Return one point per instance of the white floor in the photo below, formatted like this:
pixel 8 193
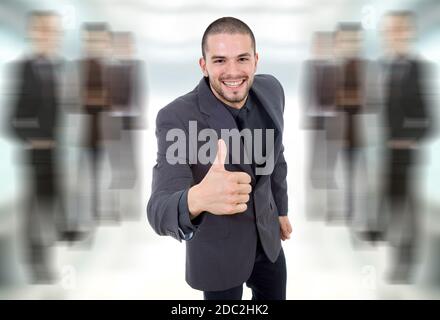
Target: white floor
pixel 130 262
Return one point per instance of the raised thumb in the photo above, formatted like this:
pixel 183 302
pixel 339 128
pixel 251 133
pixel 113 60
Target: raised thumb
pixel 220 158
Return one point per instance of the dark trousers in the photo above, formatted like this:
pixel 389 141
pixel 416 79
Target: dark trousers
pixel 122 158
pixel 267 281
pixel 45 213
pixel 400 221
pixel 94 153
pixel 350 153
pixel 124 172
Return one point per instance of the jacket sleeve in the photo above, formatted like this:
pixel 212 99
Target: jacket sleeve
pixel 279 175
pixel 279 184
pixel 172 177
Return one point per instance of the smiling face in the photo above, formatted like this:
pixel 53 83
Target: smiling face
pixel 230 63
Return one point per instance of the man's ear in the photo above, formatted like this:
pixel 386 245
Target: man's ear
pixel 256 61
pixel 202 63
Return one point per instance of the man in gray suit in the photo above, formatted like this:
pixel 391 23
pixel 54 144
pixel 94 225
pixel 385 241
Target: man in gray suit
pixel 227 198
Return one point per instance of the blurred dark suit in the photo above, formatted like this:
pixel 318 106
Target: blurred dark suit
pixel 320 92
pixel 35 117
pixel 319 114
pixel 127 92
pixel 407 114
pixel 126 117
pixel 406 118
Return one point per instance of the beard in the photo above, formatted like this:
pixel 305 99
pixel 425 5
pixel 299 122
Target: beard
pixel 232 96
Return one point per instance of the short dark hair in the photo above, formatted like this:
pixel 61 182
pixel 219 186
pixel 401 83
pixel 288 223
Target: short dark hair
pixel 228 25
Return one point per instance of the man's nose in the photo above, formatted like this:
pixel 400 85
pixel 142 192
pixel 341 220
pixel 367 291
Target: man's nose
pixel 232 69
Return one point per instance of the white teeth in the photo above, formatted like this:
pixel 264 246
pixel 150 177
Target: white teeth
pixel 233 83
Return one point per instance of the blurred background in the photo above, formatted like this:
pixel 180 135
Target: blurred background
pixel 107 249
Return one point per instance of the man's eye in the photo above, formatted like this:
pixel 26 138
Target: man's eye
pixel 218 61
pixel 244 59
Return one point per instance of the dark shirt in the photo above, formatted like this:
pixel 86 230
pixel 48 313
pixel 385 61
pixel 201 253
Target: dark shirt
pixel 351 87
pixel 251 116
pixel 95 87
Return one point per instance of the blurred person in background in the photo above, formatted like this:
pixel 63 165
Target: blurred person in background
pixel 95 101
pixel 346 133
pixel 319 104
pixel 127 92
pixel 35 122
pixel 407 123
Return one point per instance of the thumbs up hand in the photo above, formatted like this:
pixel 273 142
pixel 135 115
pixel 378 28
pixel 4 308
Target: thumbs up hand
pixel 220 192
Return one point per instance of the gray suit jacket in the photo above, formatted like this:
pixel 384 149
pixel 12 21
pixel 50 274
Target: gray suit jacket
pixel 221 253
